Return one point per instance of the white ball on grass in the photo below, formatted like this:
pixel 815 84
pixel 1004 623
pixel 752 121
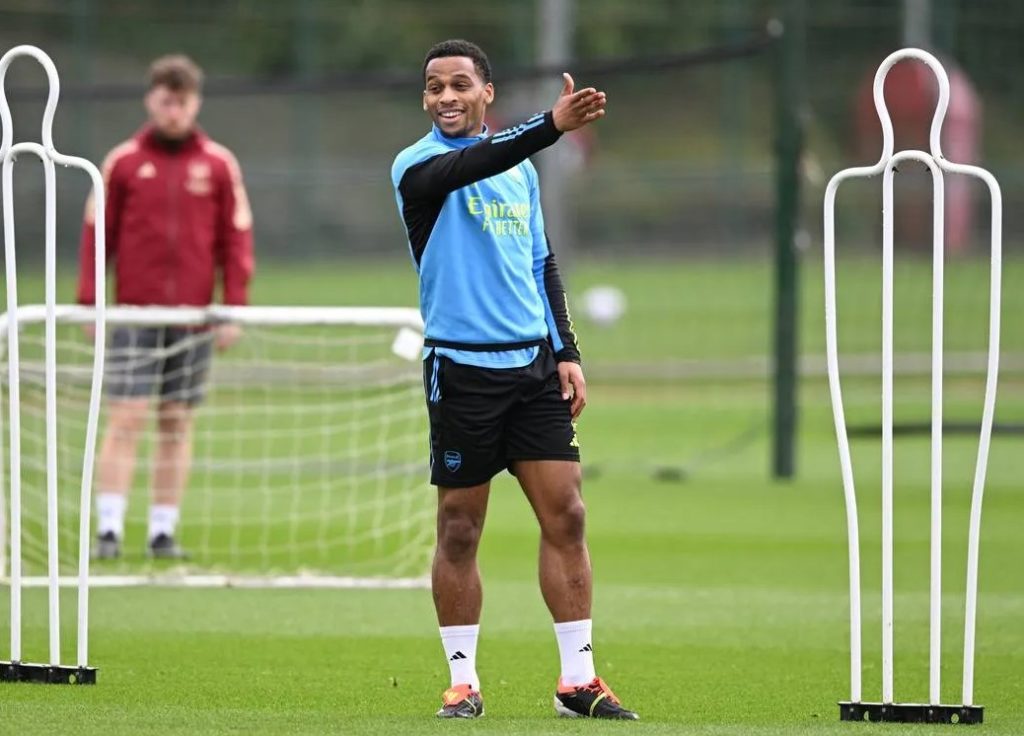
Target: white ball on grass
pixel 604 305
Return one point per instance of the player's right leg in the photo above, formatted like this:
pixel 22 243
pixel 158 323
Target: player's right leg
pixel 131 376
pixel 458 595
pixel 466 408
pixel 126 419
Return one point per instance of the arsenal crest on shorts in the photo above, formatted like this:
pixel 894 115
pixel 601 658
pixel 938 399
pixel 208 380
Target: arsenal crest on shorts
pixel 452 460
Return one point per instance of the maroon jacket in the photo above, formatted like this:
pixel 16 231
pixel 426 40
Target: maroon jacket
pixel 177 215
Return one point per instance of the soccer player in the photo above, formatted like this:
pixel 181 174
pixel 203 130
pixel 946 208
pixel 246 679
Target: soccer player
pixel 177 217
pixel 501 370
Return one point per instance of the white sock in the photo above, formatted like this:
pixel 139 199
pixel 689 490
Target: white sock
pixel 459 644
pixel 575 651
pixel 110 513
pixel 162 520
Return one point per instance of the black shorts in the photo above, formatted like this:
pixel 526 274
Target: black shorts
pixel 484 419
pixel 172 361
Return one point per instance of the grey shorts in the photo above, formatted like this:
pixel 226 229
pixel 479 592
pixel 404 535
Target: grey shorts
pixel 171 361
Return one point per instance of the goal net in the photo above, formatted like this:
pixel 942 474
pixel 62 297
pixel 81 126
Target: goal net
pixel 310 451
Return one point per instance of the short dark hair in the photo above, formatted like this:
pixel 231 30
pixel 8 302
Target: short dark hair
pixel 177 72
pixel 458 47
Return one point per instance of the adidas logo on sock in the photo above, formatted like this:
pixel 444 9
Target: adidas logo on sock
pixel 460 655
pixel 587 648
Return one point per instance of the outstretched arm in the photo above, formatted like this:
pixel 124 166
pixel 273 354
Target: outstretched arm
pixel 436 177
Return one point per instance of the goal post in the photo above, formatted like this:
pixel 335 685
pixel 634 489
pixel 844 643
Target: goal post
pixel 310 459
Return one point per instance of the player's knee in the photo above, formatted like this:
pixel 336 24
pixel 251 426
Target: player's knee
pixel 173 434
pixel 126 430
pixel 575 520
pixel 127 424
pixel 568 526
pixel 174 425
pixel 458 536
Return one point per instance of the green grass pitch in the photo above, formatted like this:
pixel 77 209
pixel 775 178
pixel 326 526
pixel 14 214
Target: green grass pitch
pixel 720 597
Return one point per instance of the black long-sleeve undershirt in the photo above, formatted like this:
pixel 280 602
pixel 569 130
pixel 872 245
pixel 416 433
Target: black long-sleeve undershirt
pixel 559 303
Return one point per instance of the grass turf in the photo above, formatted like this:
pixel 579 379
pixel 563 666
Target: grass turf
pixel 720 600
pixel 721 607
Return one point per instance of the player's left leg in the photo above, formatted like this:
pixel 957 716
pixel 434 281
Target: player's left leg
pixel 543 453
pixel 172 462
pixel 553 488
pixel 181 391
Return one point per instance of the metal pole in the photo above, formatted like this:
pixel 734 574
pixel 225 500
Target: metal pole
pixel 917 23
pixel 788 148
pixel 554 46
pixel 83 34
pixel 306 169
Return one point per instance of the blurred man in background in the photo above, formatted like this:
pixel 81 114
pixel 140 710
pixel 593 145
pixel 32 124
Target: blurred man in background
pixel 177 218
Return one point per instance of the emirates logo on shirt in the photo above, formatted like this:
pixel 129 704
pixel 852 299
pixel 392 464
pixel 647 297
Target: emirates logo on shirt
pixel 500 217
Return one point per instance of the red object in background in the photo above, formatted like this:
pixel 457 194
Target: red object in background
pixel 911 93
pixel 177 217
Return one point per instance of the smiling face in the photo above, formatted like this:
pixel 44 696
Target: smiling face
pixel 456 96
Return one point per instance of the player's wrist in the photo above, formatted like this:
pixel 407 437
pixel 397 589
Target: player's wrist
pixel 549 120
